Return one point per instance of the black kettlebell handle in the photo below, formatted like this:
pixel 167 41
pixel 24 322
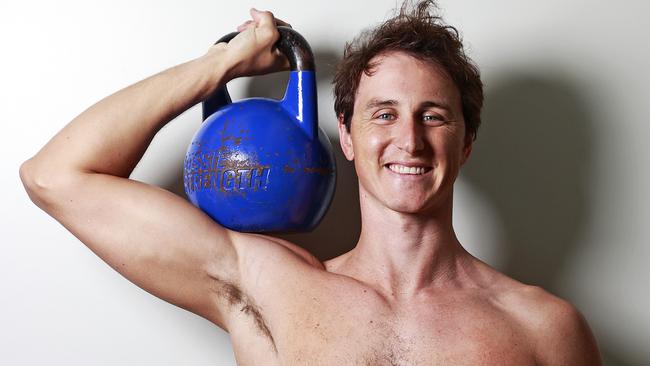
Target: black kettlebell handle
pixel 291 44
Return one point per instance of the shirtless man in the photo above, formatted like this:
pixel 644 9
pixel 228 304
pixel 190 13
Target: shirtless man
pixel 407 294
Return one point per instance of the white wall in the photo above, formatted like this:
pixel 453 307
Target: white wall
pixel 555 194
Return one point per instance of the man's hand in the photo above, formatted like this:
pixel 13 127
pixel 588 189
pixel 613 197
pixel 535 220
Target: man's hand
pixel 252 52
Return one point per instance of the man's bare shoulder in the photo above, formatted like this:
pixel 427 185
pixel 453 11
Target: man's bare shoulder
pixel 556 330
pixel 258 246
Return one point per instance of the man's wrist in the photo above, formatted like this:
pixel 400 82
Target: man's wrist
pixel 217 68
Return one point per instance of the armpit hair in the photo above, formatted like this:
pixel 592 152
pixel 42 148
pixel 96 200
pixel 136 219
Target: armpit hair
pixel 235 297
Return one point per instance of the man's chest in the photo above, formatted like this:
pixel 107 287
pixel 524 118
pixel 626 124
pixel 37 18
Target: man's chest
pixel 363 330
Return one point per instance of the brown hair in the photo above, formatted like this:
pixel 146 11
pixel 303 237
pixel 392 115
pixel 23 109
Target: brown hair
pixel 423 35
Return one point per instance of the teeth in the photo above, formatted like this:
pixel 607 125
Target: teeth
pixel 401 169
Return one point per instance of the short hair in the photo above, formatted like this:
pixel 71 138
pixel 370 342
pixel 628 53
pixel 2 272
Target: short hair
pixel 419 32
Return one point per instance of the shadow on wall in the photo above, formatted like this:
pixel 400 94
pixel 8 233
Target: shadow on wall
pixel 532 159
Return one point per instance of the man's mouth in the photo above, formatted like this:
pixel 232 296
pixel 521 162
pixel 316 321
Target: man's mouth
pixel 409 170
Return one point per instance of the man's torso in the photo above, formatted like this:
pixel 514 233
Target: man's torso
pixel 309 316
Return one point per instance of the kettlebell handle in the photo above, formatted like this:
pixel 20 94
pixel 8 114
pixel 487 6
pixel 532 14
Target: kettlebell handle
pixel 291 44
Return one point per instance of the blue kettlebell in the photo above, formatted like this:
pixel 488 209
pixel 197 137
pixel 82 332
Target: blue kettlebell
pixel 264 165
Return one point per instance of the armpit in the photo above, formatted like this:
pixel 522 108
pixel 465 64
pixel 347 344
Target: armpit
pixel 237 300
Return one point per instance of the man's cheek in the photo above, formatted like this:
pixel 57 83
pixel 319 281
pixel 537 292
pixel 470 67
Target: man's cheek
pixel 374 142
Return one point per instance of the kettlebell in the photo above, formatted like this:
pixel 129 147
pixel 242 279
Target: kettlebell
pixel 260 164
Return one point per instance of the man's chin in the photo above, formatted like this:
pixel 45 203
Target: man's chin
pixel 412 207
pixel 430 203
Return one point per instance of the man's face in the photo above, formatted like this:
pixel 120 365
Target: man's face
pixel 407 134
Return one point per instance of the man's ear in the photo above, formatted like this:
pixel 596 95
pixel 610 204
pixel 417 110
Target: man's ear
pixel 467 149
pixel 345 139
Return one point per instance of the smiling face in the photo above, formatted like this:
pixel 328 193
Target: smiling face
pixel 407 134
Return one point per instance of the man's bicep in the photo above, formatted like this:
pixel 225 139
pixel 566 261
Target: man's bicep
pixel 154 238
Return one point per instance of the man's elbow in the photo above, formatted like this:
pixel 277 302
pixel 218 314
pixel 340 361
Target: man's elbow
pixel 41 184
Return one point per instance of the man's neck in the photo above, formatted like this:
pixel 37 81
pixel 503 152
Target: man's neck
pixel 403 254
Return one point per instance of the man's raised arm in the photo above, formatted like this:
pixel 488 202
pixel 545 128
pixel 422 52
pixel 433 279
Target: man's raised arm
pixel 154 238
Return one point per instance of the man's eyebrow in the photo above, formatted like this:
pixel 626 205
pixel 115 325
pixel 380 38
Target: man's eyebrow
pixel 374 103
pixel 431 103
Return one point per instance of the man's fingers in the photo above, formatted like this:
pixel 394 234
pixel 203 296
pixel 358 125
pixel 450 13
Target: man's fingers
pixel 262 18
pixel 244 25
pixel 253 49
pixel 266 17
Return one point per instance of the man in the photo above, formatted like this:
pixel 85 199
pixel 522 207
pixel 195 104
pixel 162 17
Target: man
pixel 407 294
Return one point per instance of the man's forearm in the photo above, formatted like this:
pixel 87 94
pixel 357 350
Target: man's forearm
pixel 111 136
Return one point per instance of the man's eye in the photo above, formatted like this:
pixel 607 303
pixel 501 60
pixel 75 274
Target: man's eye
pixel 386 116
pixel 433 118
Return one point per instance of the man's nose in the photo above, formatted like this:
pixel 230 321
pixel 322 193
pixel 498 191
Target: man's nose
pixel 409 135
